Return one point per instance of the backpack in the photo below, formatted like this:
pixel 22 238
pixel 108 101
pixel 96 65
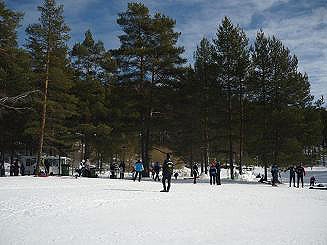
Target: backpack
pixel 170 167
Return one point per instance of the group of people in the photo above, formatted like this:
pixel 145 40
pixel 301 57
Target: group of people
pixel 14 168
pixel 298 172
pixel 116 170
pixel 84 168
pixel 167 172
pixel 214 172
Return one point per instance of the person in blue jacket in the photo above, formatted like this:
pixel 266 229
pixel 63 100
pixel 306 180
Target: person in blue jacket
pixel 138 169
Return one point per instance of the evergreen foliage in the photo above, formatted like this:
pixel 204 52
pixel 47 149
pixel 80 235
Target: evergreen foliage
pixel 238 104
pixel 52 74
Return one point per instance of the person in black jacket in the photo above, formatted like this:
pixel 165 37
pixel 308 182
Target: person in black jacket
pixel 274 175
pixel 312 181
pixel 300 172
pixel 195 171
pixel 167 172
pixel 157 171
pixel 292 175
pixel 16 168
pixel 2 168
pixel 122 169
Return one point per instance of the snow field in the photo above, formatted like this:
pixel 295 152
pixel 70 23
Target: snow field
pixel 64 210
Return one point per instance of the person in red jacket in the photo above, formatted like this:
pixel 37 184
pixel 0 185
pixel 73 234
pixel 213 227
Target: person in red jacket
pixel 213 173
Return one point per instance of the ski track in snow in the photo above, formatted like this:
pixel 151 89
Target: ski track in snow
pixel 58 210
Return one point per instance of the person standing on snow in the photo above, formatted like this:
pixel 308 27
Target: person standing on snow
pixel 300 172
pixel 292 175
pixel 81 168
pixel 157 170
pixel 138 169
pixel 274 174
pixel 122 169
pixel 16 168
pixel 167 172
pixel 213 173
pixel 22 169
pixel 153 172
pixel 195 171
pixel 2 168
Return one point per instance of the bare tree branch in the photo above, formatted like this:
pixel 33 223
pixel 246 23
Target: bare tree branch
pixel 8 103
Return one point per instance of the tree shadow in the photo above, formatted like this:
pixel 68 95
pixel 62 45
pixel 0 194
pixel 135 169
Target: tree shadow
pixel 128 190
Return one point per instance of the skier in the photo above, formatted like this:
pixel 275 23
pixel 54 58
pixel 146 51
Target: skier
pixel 176 175
pixel 157 170
pixel 300 172
pixel 274 174
pixel 213 173
pixel 167 172
pixel 22 169
pixel 195 171
pixel 112 170
pixel 81 168
pixel 292 175
pixel 153 173
pixel 312 181
pixel 11 169
pixel 16 168
pixel 2 169
pixel 47 166
pixel 122 169
pixel 138 169
pixel 218 167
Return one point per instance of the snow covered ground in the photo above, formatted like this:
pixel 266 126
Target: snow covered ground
pixel 64 210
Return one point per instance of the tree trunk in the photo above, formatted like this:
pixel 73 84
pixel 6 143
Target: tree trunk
pixel 146 152
pixel 241 128
pixel 230 132
pixel 44 108
pixel 206 120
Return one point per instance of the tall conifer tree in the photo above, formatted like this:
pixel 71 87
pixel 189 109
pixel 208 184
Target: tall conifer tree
pixel 47 43
pixel 148 59
pixel 232 58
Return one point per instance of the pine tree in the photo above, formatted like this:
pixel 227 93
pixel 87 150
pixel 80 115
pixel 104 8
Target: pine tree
pixel 15 87
pixel 47 43
pixel 149 63
pixel 205 75
pixel 231 54
pixel 281 94
pixel 91 62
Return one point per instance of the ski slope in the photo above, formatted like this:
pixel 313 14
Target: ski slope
pixel 64 210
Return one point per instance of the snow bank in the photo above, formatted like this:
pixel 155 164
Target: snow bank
pixel 64 210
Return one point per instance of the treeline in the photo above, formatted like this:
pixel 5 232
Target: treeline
pixel 239 103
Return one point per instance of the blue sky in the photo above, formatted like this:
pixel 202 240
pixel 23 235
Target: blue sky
pixel 300 24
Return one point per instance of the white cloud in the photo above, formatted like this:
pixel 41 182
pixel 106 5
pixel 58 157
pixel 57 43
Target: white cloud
pixel 303 32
